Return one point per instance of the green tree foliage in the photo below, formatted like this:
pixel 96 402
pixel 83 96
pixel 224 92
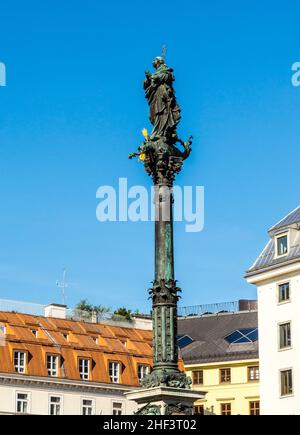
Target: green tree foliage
pixel 85 307
pixel 123 312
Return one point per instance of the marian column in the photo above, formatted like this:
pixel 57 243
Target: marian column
pixel 166 390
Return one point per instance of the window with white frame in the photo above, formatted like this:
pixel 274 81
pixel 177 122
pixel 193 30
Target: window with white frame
pixel 87 407
pixel 117 408
pixel 285 336
pixel 284 292
pixel 2 329
pixel 84 368
pixel 55 407
pixel 52 365
pixel 143 370
pixel 114 371
pixel 20 361
pixel 286 381
pixel 253 373
pixel 22 403
pixel 282 245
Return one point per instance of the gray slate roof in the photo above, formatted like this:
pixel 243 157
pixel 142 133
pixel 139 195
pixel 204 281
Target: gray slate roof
pixel 292 218
pixel 266 258
pixel 208 333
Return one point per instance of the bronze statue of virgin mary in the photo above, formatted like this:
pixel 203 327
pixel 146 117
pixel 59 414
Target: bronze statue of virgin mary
pixel 164 110
pixel 159 150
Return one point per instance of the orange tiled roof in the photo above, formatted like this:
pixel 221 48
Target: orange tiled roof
pixel 128 346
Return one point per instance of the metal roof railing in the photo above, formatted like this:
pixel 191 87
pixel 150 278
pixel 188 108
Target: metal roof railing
pixel 200 310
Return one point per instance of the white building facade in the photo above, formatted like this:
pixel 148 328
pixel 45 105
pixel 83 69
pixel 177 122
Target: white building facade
pixel 276 273
pixel 36 396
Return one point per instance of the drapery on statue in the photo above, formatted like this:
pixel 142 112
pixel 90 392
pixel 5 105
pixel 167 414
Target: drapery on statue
pixel 164 116
pixel 164 110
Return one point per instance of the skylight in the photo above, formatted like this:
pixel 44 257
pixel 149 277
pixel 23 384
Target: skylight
pixel 184 340
pixel 245 335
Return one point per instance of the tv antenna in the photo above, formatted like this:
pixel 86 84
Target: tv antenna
pixel 63 285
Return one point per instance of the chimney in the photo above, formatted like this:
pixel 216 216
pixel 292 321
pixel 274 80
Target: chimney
pixel 56 310
pixel 247 305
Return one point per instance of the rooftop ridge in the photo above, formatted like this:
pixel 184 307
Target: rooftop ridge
pixel 36 310
pixel 106 322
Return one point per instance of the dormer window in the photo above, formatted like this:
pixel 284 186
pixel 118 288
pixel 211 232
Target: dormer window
pixel 282 245
pixel 143 371
pixel 114 371
pixel 52 365
pixel 84 368
pixel 20 361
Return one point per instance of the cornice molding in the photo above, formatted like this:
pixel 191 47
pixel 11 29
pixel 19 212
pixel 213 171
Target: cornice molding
pixel 60 384
pixel 270 272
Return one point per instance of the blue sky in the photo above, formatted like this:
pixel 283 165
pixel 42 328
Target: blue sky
pixel 73 110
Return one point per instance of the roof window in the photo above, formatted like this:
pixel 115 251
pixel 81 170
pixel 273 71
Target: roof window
pixel 245 335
